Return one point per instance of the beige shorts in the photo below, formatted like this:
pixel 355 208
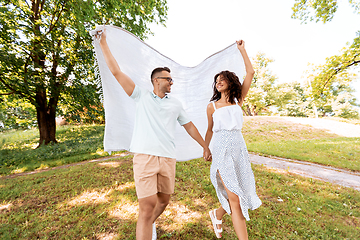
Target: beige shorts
pixel 153 174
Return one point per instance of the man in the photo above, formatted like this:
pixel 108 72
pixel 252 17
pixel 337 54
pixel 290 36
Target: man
pixel 153 141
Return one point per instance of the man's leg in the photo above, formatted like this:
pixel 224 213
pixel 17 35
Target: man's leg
pixel 145 168
pixel 150 208
pixel 166 184
pixel 162 201
pixel 146 212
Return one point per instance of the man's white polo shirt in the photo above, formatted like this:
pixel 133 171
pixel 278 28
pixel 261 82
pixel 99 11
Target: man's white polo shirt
pixel 155 123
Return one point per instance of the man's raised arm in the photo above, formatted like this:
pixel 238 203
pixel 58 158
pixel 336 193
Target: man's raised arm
pixel 125 81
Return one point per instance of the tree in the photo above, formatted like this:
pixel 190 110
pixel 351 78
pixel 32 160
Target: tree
pixel 335 66
pixel 333 99
pixel 262 86
pixel 46 52
pixel 319 10
pixel 263 92
pixel 298 104
pixel 16 113
pixel 344 106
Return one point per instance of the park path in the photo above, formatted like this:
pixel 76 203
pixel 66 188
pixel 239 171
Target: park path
pixel 306 169
pixel 311 170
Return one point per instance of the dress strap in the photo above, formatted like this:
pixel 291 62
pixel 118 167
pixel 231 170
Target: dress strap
pixel 214 105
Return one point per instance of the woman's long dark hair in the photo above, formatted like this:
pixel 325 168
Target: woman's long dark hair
pixel 234 87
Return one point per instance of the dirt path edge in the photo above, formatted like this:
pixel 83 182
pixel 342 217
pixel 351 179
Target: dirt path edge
pixel 312 170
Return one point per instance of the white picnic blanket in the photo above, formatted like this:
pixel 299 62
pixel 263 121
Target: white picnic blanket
pixel 193 86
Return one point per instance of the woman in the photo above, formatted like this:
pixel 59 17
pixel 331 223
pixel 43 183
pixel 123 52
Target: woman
pixel 231 172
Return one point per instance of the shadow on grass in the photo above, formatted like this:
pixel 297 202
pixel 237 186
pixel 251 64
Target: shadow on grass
pixel 75 144
pixel 98 201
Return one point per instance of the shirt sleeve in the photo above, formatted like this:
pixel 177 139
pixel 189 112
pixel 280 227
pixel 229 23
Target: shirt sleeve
pixel 136 94
pixel 183 117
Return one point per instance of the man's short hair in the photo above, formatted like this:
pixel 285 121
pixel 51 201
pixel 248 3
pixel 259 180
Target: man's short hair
pixel 157 70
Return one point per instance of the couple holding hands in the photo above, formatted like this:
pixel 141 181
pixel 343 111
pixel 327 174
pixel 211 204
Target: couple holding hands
pixel 154 149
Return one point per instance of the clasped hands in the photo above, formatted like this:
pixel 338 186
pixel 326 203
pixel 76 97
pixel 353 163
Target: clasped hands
pixel 207 154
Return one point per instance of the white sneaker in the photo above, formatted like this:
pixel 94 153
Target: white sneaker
pixel 154 236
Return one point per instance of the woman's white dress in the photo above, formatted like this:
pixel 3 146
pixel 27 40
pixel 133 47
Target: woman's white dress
pixel 231 160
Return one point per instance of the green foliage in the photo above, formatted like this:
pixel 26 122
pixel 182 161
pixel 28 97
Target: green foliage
pixel 336 98
pixel 262 90
pixel 46 52
pixel 264 93
pixel 329 94
pixel 77 112
pixel 16 113
pixel 337 69
pixel 319 10
pixel 297 104
pixel 344 106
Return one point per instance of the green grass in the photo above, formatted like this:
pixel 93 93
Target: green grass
pixel 276 137
pixel 18 151
pixel 97 200
pixel 264 135
pixel 338 152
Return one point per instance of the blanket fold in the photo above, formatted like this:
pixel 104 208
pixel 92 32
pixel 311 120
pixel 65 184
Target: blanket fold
pixel 193 86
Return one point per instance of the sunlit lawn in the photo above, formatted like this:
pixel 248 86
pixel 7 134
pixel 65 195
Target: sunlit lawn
pixel 264 135
pixel 76 143
pixel 97 201
pixel 276 137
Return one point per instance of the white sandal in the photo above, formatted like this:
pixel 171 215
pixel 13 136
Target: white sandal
pixel 215 221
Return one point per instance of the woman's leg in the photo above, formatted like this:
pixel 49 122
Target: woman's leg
pixel 237 217
pixel 220 212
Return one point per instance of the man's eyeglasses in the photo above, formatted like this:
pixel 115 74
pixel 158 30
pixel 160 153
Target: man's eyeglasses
pixel 169 79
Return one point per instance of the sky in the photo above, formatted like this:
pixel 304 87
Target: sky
pixel 195 29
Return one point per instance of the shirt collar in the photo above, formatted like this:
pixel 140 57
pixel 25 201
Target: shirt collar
pixel 156 96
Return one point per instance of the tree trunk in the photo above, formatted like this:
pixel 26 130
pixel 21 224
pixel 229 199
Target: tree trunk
pixel 254 112
pixel 248 111
pixel 46 119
